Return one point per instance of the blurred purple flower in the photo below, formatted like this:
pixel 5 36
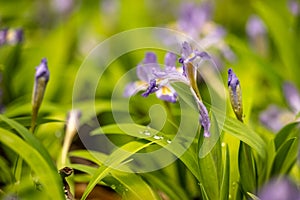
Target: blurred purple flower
pixel 292 96
pixel 193 17
pixel 255 26
pixel 3 34
pixel 62 6
pixel 153 79
pixel 11 36
pixel 293 6
pixel 196 21
pixel 148 81
pixel 256 31
pixel 280 189
pixel 276 118
pixel 235 94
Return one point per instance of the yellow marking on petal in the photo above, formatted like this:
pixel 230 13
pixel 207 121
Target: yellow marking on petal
pixel 192 55
pixel 140 83
pixel 166 91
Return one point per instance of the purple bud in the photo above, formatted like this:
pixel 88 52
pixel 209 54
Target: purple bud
pixel 40 83
pixel 42 70
pixel 170 61
pixel 235 94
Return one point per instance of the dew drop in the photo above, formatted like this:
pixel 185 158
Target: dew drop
pixel 169 141
pixel 147 132
pixel 157 137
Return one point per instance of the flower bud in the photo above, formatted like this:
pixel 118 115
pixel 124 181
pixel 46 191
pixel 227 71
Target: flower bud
pixel 235 94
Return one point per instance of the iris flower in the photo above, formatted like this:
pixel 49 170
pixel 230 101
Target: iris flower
pixel 157 80
pixel 149 83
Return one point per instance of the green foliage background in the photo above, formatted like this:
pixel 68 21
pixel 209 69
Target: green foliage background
pixel 66 38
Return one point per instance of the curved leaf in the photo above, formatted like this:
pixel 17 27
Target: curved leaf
pixel 30 139
pixel 113 161
pixel 285 157
pixel 243 133
pixel 287 132
pixel 48 176
pixel 189 157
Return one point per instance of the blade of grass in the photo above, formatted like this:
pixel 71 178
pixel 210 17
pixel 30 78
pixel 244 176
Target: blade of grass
pixel 48 176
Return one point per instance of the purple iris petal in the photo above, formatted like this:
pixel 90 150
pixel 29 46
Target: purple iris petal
pixel 153 87
pixel 42 71
pixel 147 67
pixel 167 93
pixel 186 50
pixel 204 117
pixel 292 96
pixel 202 54
pixel 134 87
pixel 150 57
pixel 143 72
pixel 170 61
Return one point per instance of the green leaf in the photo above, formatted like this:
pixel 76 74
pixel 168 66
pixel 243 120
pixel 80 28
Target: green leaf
pixel 242 132
pixel 210 166
pixel 203 192
pixel 247 169
pixel 285 157
pixel 131 182
pixel 189 157
pixel 30 139
pixel 252 196
pixel 114 161
pixel 278 21
pixel 224 193
pixel 287 132
pixel 165 184
pixel 209 173
pixel 48 176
